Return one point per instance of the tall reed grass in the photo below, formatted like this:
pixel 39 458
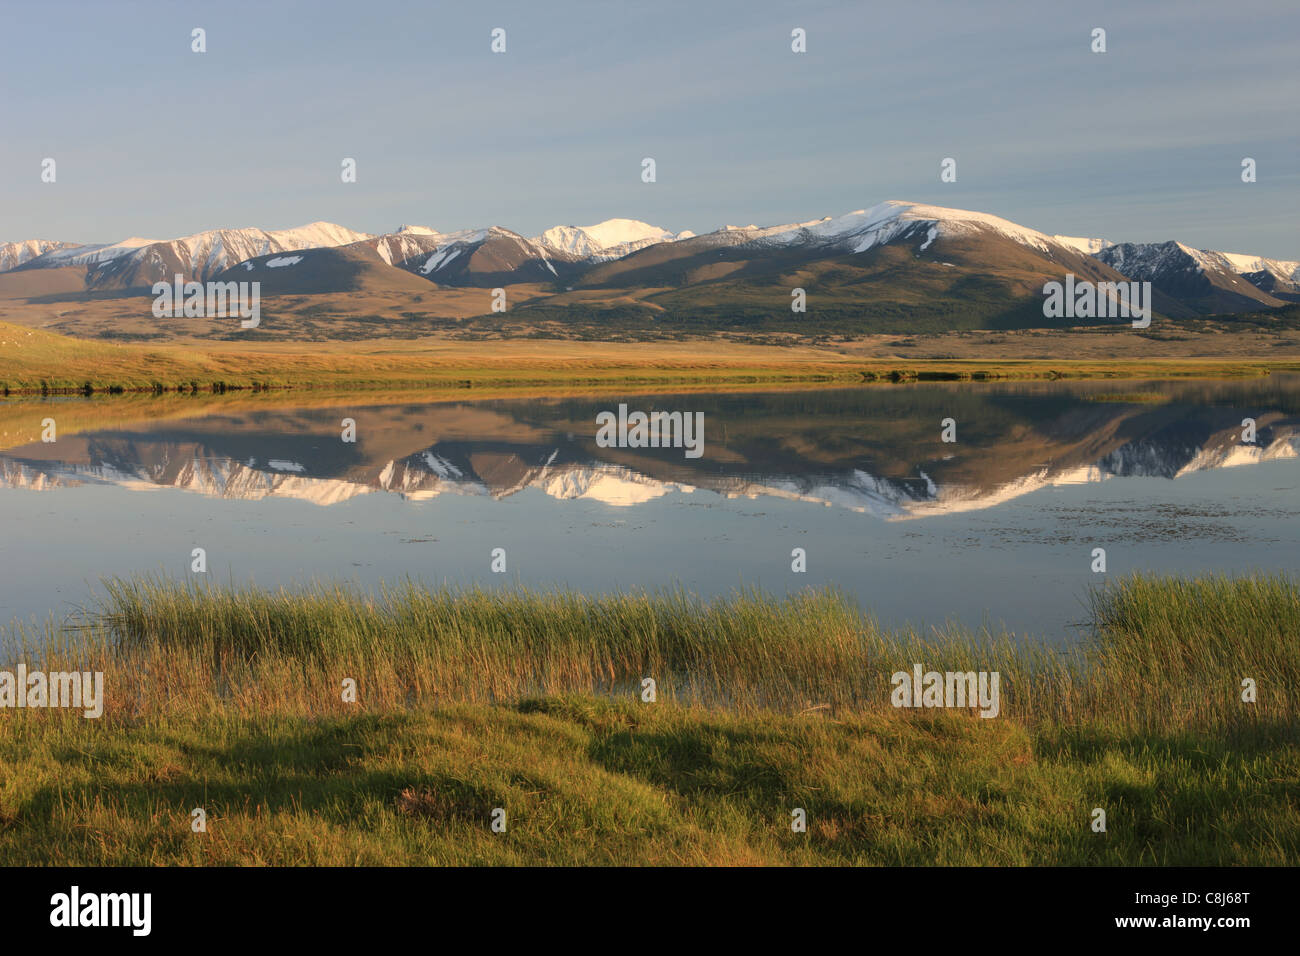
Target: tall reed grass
pixel 1163 653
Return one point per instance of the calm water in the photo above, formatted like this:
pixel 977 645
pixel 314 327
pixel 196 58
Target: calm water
pixel 997 527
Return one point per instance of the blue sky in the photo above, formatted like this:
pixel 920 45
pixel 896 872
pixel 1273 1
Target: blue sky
pixel 1142 143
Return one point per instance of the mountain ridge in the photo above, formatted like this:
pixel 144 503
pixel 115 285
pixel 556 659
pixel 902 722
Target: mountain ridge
pixel 896 258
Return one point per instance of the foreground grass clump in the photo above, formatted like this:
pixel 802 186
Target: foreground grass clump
pixel 588 780
pixel 469 701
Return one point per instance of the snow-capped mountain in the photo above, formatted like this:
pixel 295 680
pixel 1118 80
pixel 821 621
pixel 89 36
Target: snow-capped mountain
pixel 923 228
pixel 611 239
pixel 138 262
pixel 207 253
pixel 1249 265
pixel 1205 280
pixel 901 261
pixel 407 261
pixel 92 254
pixel 919 261
pixel 1153 257
pixel 887 222
pixel 14 254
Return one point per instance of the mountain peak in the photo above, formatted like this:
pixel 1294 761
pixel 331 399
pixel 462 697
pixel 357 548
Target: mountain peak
pixel 609 239
pixel 888 221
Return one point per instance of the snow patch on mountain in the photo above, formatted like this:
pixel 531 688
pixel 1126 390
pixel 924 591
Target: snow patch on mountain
pixel 438 259
pixel 441 466
pixel 399 247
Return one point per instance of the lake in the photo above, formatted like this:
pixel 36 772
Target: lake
pixel 997 527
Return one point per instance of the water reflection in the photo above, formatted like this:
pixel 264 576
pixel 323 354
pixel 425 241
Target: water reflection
pixel 873 451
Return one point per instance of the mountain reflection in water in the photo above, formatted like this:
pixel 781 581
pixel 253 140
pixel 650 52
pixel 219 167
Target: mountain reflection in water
pixel 871 451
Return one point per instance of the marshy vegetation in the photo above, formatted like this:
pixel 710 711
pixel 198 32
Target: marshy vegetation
pixel 1164 652
pixel 230 699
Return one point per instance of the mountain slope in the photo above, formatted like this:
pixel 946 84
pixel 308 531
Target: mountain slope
pixel 492 257
pixel 358 267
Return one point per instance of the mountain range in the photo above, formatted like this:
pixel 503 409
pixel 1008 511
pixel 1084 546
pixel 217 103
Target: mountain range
pixel 896 262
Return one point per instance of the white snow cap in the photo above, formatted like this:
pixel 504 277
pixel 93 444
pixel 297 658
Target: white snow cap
pixel 1241 264
pixel 863 228
pixel 1086 246
pixel 610 239
pixel 216 249
pixel 209 252
pixel 14 254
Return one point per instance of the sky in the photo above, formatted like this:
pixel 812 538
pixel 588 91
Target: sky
pixel 1141 143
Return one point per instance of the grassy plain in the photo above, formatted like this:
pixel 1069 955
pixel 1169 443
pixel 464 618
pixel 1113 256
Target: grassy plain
pixel 37 361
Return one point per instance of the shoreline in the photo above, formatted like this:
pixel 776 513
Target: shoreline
pixel 649 377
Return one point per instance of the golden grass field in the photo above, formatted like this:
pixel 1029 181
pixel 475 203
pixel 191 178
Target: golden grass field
pixel 35 360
